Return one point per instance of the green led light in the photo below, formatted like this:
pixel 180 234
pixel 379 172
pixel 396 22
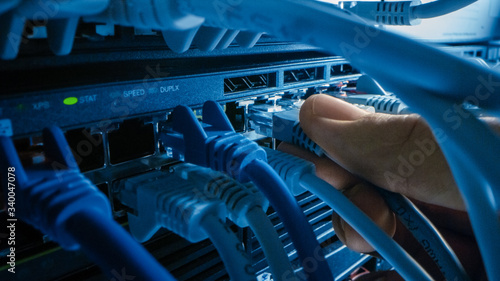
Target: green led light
pixel 70 101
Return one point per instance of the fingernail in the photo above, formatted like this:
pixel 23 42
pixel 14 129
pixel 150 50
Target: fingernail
pixel 333 108
pixel 318 105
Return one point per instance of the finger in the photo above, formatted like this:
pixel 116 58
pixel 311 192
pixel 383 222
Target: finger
pixel 333 108
pixel 373 205
pixel 396 152
pixel 463 245
pixel 454 225
pixel 350 137
pixel 359 192
pixel 349 132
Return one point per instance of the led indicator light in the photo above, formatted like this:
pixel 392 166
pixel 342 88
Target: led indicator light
pixel 70 101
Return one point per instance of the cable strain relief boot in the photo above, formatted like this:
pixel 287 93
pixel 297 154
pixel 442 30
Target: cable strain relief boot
pixel 300 138
pixel 50 204
pixel 232 153
pixel 166 200
pixel 212 143
pixel 238 198
pixel 290 169
pixel 286 127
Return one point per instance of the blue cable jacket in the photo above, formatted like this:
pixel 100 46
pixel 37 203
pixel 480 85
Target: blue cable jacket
pixel 231 251
pixel 420 227
pixel 426 234
pixel 216 145
pixel 472 161
pixel 299 174
pixel 406 62
pixel 113 249
pixel 70 210
pixel 271 245
pixel 388 248
pixel 245 206
pixel 304 240
pixel 418 72
pixel 163 199
pixel 439 8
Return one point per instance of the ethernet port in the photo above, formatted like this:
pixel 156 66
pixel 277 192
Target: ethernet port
pixel 347 69
pixel 303 75
pixel 236 115
pixel 336 70
pixel 133 139
pixel 116 206
pixel 342 69
pixel 88 148
pixel 103 187
pixel 30 150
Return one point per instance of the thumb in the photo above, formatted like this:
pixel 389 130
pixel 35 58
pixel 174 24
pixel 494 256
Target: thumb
pixel 395 152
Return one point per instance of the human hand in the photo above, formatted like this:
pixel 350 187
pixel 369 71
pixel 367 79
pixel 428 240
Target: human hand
pixel 395 152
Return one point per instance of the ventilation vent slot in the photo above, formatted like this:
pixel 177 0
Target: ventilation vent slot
pixel 249 82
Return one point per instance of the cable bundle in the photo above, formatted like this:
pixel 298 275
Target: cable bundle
pixel 165 200
pixel 215 144
pixel 66 206
pixel 246 206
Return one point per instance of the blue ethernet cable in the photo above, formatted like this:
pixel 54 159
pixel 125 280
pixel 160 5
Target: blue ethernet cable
pixel 225 241
pixel 407 63
pixel 403 12
pixel 286 127
pixel 430 81
pixel 418 72
pixel 299 174
pixel 163 199
pixel 426 233
pixel 246 207
pixel 384 104
pixel 57 199
pixel 472 161
pixel 218 146
pixel 439 8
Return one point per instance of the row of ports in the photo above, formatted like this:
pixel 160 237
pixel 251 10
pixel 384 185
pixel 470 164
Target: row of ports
pixel 269 80
pixel 132 139
pixel 135 138
pixel 117 144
